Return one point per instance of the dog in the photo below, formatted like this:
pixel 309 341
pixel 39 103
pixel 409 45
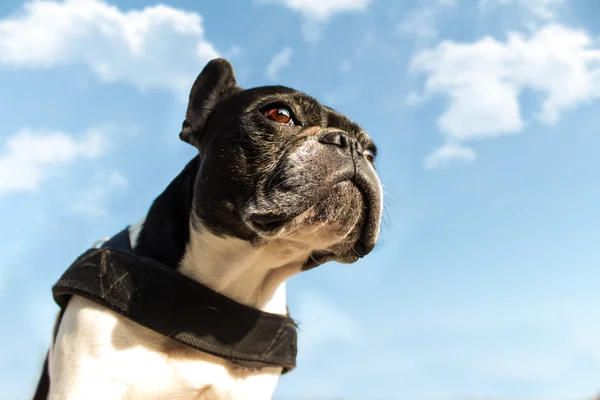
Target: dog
pixel 280 184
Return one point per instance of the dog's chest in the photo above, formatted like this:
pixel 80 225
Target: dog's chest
pixel 135 363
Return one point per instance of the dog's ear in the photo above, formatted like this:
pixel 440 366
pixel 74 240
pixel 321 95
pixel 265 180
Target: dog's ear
pixel 215 82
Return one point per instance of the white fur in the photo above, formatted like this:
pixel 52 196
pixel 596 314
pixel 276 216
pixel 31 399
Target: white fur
pixel 250 275
pixel 134 232
pixel 101 355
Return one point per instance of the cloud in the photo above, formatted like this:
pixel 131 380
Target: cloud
pixel 279 62
pixel 421 21
pixel 449 153
pixel 322 10
pixel 28 158
pixel 155 47
pixel 484 80
pixel 544 9
pixel 92 202
pixel 318 12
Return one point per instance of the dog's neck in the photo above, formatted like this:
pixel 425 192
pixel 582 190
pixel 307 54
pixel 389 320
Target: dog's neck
pixel 254 276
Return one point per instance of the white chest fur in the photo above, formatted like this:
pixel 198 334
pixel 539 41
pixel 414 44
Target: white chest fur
pixel 101 355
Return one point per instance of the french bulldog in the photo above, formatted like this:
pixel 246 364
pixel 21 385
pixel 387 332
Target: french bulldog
pixel 280 184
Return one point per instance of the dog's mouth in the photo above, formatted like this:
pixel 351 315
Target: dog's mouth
pixel 345 216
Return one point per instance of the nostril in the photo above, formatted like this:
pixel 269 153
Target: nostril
pixel 360 249
pixel 335 138
pixel 268 222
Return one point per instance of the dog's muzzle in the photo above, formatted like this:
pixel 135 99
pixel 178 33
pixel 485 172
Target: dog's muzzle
pixel 329 174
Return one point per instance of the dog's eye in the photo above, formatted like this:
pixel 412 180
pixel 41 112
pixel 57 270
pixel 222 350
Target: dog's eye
pixel 280 114
pixel 369 155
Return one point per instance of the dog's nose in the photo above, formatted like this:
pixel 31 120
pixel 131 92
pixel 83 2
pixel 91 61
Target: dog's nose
pixel 339 139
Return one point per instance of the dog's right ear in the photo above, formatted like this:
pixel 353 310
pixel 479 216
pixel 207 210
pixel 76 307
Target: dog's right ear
pixel 215 82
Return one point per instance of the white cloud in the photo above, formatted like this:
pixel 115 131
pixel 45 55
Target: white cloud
pixel 421 21
pixel 318 12
pixel 484 79
pixel 449 153
pixel 155 47
pixel 322 10
pixel 27 158
pixel 93 201
pixel 544 9
pixel 279 62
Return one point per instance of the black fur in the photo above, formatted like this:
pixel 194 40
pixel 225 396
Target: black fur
pixel 166 229
pixel 215 82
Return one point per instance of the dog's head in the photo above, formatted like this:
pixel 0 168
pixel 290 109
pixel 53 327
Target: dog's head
pixel 275 164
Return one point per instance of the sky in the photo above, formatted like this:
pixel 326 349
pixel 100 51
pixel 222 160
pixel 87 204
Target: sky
pixel 485 113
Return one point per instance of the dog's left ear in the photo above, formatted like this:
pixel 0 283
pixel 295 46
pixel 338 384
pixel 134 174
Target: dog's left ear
pixel 215 83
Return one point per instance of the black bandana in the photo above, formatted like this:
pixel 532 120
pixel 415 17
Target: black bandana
pixel 166 301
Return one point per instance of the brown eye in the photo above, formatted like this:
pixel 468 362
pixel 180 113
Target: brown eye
pixel 280 114
pixel 369 155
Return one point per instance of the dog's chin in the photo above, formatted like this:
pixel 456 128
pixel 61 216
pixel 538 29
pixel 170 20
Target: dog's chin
pixel 331 225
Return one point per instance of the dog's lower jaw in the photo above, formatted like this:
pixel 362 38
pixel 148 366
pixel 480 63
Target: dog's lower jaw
pixel 253 276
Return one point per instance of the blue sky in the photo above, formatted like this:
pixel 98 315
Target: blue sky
pixel 486 114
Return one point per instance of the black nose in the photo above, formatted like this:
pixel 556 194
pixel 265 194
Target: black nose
pixel 339 139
